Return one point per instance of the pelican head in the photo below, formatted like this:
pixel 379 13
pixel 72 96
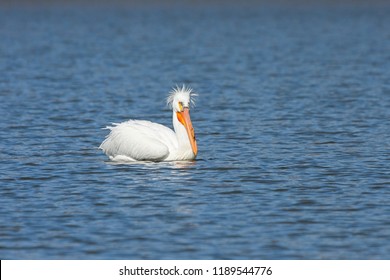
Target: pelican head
pixel 180 99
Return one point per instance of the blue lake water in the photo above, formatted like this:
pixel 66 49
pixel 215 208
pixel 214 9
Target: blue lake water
pixel 292 123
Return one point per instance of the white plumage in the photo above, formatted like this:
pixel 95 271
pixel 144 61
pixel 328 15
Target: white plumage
pixel 138 140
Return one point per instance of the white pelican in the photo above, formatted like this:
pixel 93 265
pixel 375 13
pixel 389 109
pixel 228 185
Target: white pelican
pixel 136 140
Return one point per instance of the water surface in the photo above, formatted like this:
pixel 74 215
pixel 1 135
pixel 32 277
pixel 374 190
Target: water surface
pixel 292 122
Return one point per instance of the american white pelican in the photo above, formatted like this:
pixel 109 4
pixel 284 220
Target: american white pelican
pixel 136 140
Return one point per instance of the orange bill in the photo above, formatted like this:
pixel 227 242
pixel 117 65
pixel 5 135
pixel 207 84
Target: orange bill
pixel 184 118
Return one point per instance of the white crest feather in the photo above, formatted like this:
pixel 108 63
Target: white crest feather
pixel 183 90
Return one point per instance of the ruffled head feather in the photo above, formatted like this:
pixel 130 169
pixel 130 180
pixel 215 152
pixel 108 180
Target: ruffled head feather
pixel 184 95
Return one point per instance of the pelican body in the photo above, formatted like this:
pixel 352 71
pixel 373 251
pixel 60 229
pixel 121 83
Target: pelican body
pixel 139 140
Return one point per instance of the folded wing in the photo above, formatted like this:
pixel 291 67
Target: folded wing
pixel 139 140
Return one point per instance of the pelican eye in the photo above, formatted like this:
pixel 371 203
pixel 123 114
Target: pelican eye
pixel 181 106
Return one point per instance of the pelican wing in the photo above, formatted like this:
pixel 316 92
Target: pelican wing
pixel 139 140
